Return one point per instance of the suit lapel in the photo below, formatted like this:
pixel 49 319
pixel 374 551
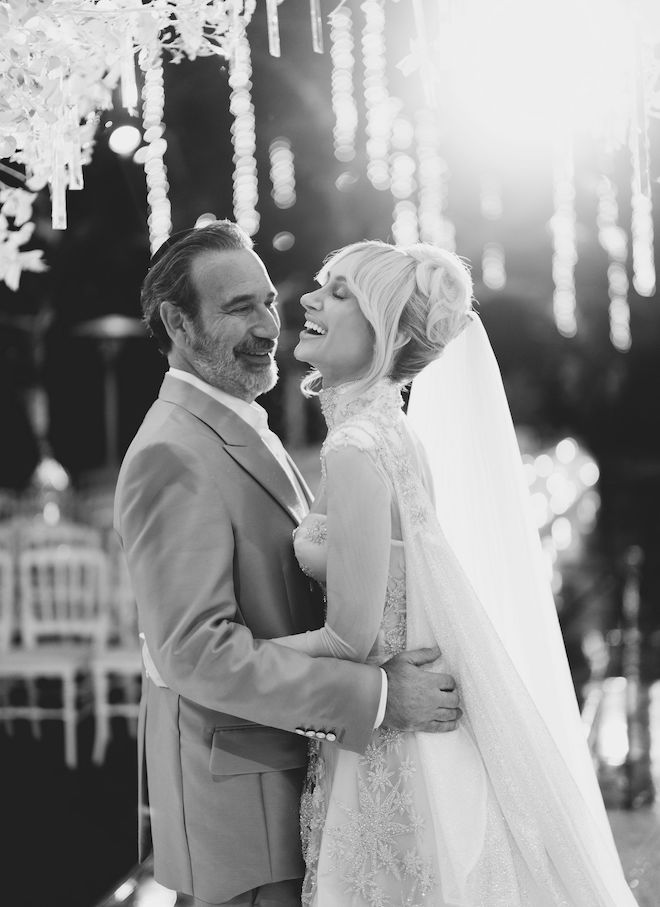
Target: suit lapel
pixel 241 442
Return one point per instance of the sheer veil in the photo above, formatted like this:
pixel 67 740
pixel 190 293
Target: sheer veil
pixel 458 410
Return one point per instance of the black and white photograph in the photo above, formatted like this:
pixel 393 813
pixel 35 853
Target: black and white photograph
pixel 330 459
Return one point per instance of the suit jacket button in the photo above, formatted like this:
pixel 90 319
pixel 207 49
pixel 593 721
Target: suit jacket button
pixel 300 731
pixel 320 735
pixel 331 737
pixel 310 733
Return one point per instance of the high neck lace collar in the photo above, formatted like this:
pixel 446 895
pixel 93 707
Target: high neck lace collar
pixel 346 400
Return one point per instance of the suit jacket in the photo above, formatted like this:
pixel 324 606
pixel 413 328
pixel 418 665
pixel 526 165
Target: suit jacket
pixel 205 515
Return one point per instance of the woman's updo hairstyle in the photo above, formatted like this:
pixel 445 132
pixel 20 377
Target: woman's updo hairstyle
pixel 436 311
pixel 416 299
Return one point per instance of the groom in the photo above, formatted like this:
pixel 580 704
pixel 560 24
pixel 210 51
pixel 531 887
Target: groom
pixel 206 503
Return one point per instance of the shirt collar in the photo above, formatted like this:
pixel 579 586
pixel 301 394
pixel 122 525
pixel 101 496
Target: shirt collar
pixel 255 415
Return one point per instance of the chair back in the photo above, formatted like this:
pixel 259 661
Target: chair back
pixel 6 599
pixel 63 594
pixel 35 533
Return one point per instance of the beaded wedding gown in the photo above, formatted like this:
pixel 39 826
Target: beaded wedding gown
pixel 488 815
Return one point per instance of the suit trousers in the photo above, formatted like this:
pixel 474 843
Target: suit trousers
pixel 274 894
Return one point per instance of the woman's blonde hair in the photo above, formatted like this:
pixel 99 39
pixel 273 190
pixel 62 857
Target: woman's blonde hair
pixel 416 299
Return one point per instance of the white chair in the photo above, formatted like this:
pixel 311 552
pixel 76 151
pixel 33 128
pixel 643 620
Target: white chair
pixel 117 668
pixel 36 533
pixel 63 616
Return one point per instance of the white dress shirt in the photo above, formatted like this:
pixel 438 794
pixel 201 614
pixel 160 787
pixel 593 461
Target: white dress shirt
pixel 257 418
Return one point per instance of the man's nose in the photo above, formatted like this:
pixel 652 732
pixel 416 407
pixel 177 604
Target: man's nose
pixel 268 324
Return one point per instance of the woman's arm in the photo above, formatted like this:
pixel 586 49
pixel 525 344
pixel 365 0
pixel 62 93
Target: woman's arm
pixel 358 537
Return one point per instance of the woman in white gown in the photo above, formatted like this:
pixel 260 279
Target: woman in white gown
pixel 504 811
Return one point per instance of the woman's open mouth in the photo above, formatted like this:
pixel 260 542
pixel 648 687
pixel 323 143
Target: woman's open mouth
pixel 312 329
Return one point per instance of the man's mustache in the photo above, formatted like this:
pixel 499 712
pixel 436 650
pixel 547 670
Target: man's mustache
pixel 264 346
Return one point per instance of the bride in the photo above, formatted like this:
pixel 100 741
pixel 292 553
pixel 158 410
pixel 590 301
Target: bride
pixel 504 811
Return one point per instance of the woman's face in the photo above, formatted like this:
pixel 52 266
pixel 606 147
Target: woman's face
pixel 337 339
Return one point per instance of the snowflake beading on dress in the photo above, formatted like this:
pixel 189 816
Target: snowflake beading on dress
pixel 376 850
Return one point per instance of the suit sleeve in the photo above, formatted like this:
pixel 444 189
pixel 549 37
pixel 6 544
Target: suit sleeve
pixel 179 545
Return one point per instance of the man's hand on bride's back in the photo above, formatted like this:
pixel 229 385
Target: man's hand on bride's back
pixel 417 699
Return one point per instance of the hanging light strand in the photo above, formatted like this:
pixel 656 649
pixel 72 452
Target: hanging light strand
pixel 433 181
pixel 493 256
pixel 564 249
pixel 343 99
pixel 641 204
pixel 376 96
pixel 405 226
pixel 243 135
pixel 614 241
pixel 282 173
pixel 159 219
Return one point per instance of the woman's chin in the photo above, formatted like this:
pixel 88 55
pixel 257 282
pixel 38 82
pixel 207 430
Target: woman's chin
pixel 301 352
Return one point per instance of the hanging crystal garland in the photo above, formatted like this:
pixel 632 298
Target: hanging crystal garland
pixel 564 250
pixel 343 100
pixel 433 178
pixel 282 173
pixel 244 139
pixel 493 257
pixel 159 219
pixel 615 242
pixel 376 96
pixel 317 25
pixel 273 28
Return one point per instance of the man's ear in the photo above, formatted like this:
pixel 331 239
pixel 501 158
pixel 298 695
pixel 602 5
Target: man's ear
pixel 174 320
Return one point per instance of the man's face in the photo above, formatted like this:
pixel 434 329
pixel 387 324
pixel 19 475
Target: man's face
pixel 234 334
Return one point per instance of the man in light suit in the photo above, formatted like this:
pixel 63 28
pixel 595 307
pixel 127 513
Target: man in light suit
pixel 206 503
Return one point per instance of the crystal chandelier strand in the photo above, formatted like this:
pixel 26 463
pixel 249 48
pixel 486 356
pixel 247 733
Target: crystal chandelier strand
pixel 159 219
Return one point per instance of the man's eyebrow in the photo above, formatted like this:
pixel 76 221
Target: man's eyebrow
pixel 248 297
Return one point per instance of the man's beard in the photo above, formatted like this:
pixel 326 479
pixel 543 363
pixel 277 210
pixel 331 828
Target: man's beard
pixel 222 368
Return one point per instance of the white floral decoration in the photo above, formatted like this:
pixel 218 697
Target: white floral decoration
pixel 15 231
pixel 60 61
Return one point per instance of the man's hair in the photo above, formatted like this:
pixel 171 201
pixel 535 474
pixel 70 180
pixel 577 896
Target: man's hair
pixel 169 276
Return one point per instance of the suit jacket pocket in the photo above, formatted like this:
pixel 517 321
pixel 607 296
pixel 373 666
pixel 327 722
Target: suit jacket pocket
pixel 254 748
